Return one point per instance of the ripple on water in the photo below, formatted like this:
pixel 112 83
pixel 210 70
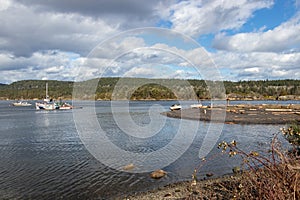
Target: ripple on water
pixel 43 157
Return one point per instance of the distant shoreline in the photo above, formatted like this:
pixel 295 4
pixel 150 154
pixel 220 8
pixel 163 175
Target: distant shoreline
pixel 153 89
pixel 201 100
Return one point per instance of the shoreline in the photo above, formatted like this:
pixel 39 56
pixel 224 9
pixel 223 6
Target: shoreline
pixel 241 114
pixel 152 99
pixel 187 190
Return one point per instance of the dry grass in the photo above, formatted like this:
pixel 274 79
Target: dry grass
pixel 276 176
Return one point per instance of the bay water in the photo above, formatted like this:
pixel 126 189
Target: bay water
pixel 42 155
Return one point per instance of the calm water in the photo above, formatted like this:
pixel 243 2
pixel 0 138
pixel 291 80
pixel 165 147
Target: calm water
pixel 42 156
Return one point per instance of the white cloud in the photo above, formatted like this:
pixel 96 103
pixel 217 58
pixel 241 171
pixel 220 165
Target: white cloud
pixel 55 69
pixel 127 13
pixel 142 71
pixel 4 4
pixel 198 17
pixel 25 31
pixel 252 70
pixel 281 38
pixel 131 56
pixel 257 65
pixel 114 47
pixel 55 65
pixel 51 39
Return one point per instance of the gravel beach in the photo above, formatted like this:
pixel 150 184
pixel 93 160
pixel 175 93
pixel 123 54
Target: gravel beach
pixel 217 188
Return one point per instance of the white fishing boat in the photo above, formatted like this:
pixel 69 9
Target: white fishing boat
pixel 49 104
pixel 46 106
pixel 175 107
pixel 21 103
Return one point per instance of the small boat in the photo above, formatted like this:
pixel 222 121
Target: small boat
pixel 65 106
pixel 21 103
pixel 175 107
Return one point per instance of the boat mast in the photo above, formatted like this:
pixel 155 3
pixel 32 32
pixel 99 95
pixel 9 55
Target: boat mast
pixel 47 97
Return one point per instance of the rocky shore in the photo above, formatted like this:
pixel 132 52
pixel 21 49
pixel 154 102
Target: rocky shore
pixel 241 114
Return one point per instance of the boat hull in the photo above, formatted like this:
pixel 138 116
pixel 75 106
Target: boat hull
pixel 53 106
pixel 45 106
pixel 175 107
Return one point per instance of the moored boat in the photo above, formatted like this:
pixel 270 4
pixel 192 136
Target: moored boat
pixel 21 103
pixel 175 107
pixel 65 106
pixel 49 104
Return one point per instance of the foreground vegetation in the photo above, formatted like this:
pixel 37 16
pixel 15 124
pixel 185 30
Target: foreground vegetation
pixel 272 176
pixel 264 89
pixel 267 177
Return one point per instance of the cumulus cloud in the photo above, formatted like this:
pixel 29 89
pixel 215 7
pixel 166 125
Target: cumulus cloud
pixel 4 4
pixel 144 61
pixel 146 71
pixel 160 71
pixel 96 8
pixel 25 31
pixel 123 13
pixel 53 64
pixel 133 56
pixel 198 17
pixel 114 48
pixel 140 60
pixel 53 40
pixel 281 38
pixel 150 61
pixel 257 65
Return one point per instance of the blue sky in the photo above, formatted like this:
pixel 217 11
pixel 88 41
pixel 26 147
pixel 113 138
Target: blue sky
pixel 245 39
pixel 270 18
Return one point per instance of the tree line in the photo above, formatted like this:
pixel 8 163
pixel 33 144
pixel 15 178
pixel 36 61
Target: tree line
pixel 153 89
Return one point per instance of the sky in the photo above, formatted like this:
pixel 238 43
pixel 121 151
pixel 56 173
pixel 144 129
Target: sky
pixel 202 39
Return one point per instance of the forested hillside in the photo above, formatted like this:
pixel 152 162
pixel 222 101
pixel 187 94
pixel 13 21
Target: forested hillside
pixel 154 89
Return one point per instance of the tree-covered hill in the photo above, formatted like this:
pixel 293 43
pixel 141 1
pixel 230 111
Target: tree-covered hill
pixel 152 89
pixel 36 89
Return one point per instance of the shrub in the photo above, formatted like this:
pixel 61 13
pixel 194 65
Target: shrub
pixel 292 134
pixel 273 176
